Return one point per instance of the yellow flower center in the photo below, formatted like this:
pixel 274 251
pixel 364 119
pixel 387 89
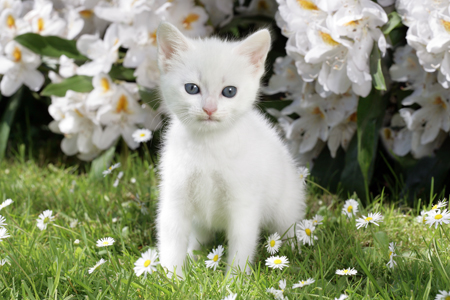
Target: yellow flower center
pixel 17 54
pixel 110 168
pixel 142 135
pixel 10 21
pixel 369 219
pixel 147 263
pixel 122 104
pixel 390 254
pixel 303 282
pixel 308 231
pixel 105 84
pixel 277 261
pixel 434 207
pixel 447 298
pixel 86 13
pixel 437 217
pixel 345 271
pixel 308 5
pixel 439 101
pixel 350 209
pixel 216 258
pixel 328 39
pixel 352 23
pixel 446 25
pixel 105 243
pixel 152 37
pixel 78 113
pixel 272 243
pixel 317 111
pixel 190 19
pixel 40 24
pixel 46 220
pixel 423 220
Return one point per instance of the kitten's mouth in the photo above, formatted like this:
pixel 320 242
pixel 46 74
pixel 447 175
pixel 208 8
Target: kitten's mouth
pixel 209 120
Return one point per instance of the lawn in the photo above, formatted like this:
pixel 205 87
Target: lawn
pixel 49 264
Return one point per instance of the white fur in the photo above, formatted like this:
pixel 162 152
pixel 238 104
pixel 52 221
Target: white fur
pixel 231 173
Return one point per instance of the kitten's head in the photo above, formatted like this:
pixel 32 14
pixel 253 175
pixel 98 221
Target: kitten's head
pixel 207 84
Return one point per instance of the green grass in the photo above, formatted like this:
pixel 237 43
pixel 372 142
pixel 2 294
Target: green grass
pixel 48 265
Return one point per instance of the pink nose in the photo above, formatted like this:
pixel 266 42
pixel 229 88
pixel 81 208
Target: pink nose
pixel 209 111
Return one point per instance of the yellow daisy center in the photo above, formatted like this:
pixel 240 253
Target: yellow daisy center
pixel 142 135
pixel 447 298
pixel 110 168
pixel 272 243
pixel 46 220
pixel 86 13
pixel 345 271
pixel 122 104
pixel 423 220
pixel 390 254
pixel 10 21
pixel 147 263
pixel 446 25
pixel 17 54
pixel 437 217
pixel 434 207
pixel 277 261
pixel 105 84
pixel 105 243
pixel 369 219
pixel 303 282
pixel 190 19
pixel 308 5
pixel 328 39
pixel 308 231
pixel 216 258
pixel 40 24
pixel 350 209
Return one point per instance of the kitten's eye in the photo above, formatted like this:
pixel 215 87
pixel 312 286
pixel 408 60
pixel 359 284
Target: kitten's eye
pixel 192 88
pixel 229 91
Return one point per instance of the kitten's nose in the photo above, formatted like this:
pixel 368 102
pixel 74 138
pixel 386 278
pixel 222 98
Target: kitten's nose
pixel 209 110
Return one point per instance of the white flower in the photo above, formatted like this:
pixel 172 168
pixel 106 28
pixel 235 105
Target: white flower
pixel 277 262
pixel 278 294
pixel 305 232
pixel 273 243
pixel 303 172
pixel 3 234
pixel 73 223
pixel 123 11
pixel 443 295
pixel 189 19
pixel 371 218
pixel 104 242
pixel 231 296
pixel 341 297
pixel 119 176
pixel 392 254
pixel 19 65
pixel 142 135
pixel 407 67
pixel 103 53
pixel 147 263
pixel 2 221
pixel 98 264
pixel 44 20
pixel 348 272
pixel 103 92
pixel 436 217
pixel 422 218
pixel 44 219
pixel 214 257
pixel 76 242
pixel 4 261
pixel 317 220
pixel 133 180
pixel 114 220
pixel 110 169
pixel 302 283
pixel 6 203
pixel 220 12
pixel 350 208
pixel 285 78
pixel 441 204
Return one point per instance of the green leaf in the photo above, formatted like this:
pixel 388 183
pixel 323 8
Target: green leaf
pixel 394 21
pixel 376 70
pixel 7 120
pixel 327 170
pixel 351 178
pixel 150 97
pixel 119 72
pixel 370 114
pixel 50 45
pixel 101 163
pixel 382 240
pixel 78 83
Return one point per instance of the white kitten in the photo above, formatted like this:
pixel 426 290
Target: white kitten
pixel 222 167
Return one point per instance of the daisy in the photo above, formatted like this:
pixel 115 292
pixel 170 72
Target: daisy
pixel 73 223
pixel 214 257
pixel 273 243
pixel 349 271
pixel 110 169
pixel 44 218
pixel 76 242
pixel 119 176
pixel 422 218
pixel 98 264
pixel 4 261
pixel 3 234
pixel 305 232
pixel 231 296
pixel 147 263
pixel 105 242
pixel 317 220
pixel 5 203
pixel 277 262
pixel 133 180
pixel 391 262
pixel 350 208
pixel 142 135
pixel 341 297
pixel 443 295
pixel 440 205
pixel 278 294
pixel 2 221
pixel 437 217
pixel 303 283
pixel 302 173
pixel 371 218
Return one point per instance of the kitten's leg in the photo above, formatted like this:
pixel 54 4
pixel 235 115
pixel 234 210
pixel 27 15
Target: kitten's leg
pixel 242 234
pixel 199 236
pixel 173 233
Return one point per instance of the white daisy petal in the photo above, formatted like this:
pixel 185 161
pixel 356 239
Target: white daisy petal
pixel 104 242
pixel 214 257
pixel 277 262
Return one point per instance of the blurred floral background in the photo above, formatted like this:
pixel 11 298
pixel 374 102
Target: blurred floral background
pixel 358 88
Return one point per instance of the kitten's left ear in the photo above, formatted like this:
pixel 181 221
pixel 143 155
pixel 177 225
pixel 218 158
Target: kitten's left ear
pixel 256 47
pixel 170 43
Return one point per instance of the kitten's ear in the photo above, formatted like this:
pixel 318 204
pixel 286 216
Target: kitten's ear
pixel 256 47
pixel 170 43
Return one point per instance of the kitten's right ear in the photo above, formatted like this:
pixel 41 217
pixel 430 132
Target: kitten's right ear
pixel 170 43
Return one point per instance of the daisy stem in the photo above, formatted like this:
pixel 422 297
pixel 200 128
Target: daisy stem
pixel 445 233
pixel 111 260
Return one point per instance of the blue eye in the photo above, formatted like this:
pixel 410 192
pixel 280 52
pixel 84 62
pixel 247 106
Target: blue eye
pixel 192 88
pixel 229 91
